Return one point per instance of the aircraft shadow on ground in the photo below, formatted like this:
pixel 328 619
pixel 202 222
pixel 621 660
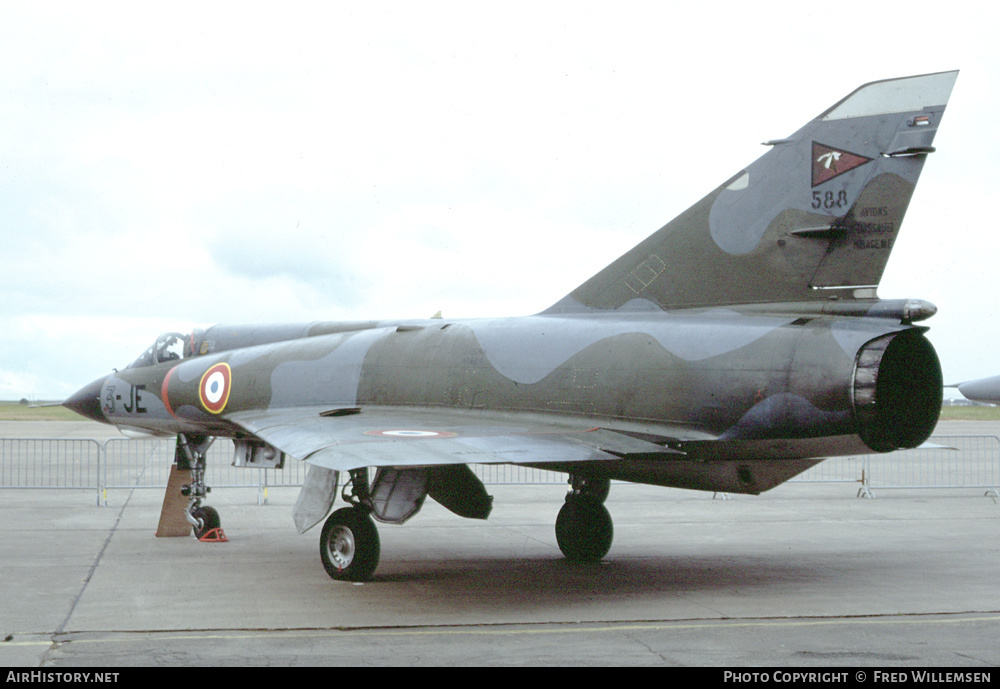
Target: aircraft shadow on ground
pixel 539 578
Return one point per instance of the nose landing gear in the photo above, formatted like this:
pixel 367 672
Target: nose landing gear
pixel 190 453
pixel 207 521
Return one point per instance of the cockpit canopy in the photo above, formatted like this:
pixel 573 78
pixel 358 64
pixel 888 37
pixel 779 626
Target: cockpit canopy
pixel 221 338
pixel 168 347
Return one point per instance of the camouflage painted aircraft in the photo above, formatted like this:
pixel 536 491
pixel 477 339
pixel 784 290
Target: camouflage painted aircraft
pixel 985 390
pixel 732 349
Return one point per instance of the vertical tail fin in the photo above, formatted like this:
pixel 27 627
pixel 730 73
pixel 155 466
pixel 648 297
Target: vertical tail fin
pixel 816 216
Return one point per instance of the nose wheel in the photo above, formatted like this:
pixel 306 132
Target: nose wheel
pixel 207 518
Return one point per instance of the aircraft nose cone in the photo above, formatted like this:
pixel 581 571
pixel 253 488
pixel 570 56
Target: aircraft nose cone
pixel 87 401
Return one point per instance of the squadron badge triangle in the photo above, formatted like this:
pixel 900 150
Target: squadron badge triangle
pixel 831 162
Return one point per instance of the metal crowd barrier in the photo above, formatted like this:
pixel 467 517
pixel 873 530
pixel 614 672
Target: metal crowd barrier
pixel 945 461
pixel 49 463
pixel 145 463
pixel 124 463
pixel 120 463
pixel 496 474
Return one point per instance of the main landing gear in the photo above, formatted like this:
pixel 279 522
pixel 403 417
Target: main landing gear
pixel 191 451
pixel 349 544
pixel 350 547
pixel 583 527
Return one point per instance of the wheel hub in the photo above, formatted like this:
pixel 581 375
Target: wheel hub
pixel 340 546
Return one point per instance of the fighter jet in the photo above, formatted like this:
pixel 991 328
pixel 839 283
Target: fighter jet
pixel 981 390
pixel 735 347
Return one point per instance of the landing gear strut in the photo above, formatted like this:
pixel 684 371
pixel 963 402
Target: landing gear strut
pixel 190 454
pixel 349 545
pixel 584 529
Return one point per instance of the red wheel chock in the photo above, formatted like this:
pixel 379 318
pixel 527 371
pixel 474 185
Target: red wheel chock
pixel 216 535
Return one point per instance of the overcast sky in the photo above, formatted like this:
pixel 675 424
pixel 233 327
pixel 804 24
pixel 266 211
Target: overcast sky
pixel 199 163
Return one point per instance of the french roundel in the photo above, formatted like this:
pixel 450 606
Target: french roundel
pixel 214 388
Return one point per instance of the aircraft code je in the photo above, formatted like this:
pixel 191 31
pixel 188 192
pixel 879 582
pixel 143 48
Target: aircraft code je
pixel 134 402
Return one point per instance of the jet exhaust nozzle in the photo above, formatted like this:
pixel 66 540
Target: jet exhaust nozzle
pixel 897 391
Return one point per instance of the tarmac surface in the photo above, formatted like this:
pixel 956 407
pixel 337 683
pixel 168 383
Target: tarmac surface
pixel 805 575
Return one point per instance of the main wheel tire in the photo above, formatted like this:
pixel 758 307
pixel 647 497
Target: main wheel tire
pixel 349 545
pixel 584 530
pixel 208 517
